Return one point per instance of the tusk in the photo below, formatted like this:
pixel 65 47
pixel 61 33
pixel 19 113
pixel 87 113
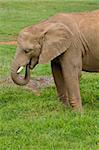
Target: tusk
pixel 20 69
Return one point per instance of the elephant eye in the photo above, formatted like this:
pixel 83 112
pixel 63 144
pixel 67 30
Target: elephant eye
pixel 27 50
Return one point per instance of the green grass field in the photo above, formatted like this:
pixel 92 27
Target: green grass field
pixel 29 122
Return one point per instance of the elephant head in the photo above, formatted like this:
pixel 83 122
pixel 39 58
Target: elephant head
pixel 39 44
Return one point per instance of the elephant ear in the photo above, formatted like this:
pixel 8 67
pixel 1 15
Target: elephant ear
pixel 57 39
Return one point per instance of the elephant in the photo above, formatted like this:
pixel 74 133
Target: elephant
pixel 70 41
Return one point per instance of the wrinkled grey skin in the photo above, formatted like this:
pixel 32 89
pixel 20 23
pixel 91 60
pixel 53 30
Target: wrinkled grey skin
pixel 70 42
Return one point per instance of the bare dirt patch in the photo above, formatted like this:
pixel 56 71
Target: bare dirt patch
pixel 8 43
pixel 8 40
pixel 34 85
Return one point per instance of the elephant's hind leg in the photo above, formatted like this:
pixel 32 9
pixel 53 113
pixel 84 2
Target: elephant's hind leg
pixel 59 82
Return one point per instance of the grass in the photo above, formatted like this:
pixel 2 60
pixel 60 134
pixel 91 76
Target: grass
pixel 29 122
pixel 14 15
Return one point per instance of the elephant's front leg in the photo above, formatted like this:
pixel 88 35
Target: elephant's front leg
pixel 71 72
pixel 59 82
pixel 72 84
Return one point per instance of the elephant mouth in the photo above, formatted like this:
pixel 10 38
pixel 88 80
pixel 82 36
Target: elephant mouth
pixel 33 62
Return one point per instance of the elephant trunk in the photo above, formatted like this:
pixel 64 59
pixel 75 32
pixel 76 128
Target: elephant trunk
pixel 20 80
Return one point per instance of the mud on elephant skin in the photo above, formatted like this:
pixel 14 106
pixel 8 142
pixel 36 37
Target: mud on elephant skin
pixel 70 41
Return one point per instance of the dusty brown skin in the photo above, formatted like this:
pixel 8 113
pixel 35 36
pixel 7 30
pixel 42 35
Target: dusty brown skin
pixel 70 42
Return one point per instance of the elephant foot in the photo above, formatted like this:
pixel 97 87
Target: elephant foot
pixel 76 104
pixel 64 99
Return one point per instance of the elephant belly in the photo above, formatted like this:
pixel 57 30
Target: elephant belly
pixel 90 63
pixel 90 32
pixel 89 28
